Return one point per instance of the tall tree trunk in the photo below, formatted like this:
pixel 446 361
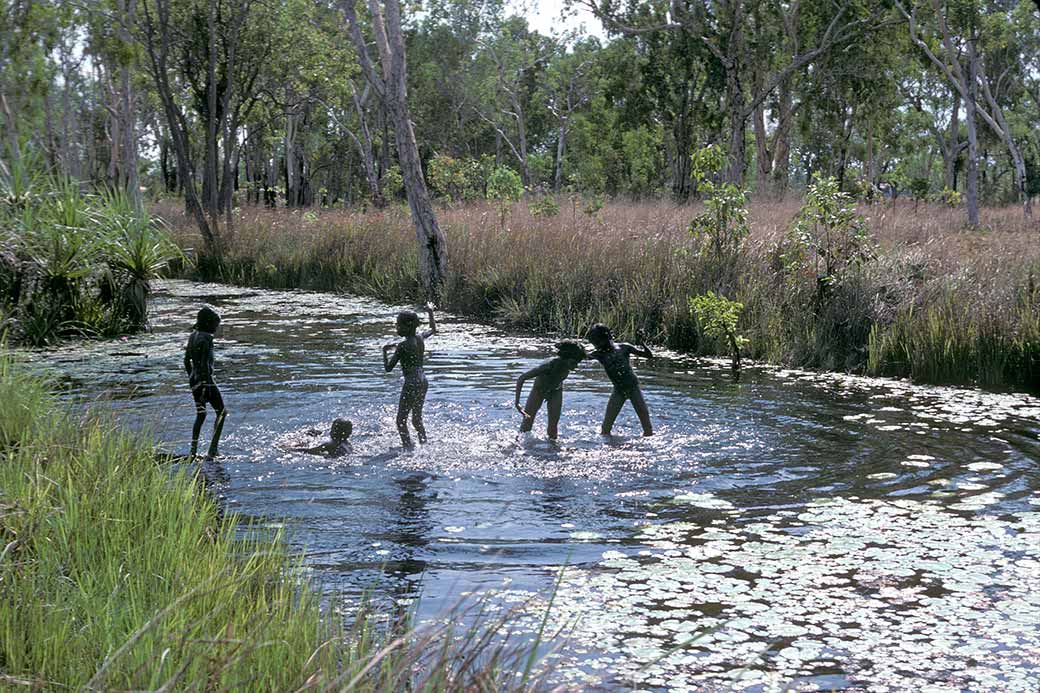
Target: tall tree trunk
pixel 366 149
pixel 953 147
pixel 561 143
pixel 210 190
pixel 737 127
pixel 130 180
pixel 289 154
pixel 681 164
pixel 763 158
pixel 1003 131
pixel 782 141
pixel 972 184
pixel 157 46
pixel 392 84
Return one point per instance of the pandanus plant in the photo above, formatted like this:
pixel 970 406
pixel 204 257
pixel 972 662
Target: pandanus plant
pixel 137 251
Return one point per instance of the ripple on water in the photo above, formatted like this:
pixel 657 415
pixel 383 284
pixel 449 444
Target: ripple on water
pixel 700 559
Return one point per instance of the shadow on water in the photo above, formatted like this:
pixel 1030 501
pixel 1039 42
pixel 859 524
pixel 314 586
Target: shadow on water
pixel 831 531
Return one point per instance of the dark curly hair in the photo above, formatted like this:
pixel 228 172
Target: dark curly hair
pixel 207 319
pixel 569 349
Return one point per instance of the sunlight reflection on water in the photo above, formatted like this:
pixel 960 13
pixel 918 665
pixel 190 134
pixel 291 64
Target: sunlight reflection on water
pixel 835 531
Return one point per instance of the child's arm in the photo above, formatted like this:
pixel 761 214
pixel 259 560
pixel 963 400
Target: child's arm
pixel 642 345
pixel 391 361
pixel 641 350
pixel 534 372
pixel 315 450
pixel 187 356
pixel 433 323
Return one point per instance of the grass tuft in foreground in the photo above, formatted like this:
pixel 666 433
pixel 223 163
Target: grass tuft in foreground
pixel 116 574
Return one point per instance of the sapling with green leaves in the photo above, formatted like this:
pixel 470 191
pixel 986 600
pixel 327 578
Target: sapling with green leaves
pixel 723 225
pixel 504 188
pixel 826 240
pixel 718 317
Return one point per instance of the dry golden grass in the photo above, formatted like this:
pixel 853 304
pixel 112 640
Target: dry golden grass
pixel 635 266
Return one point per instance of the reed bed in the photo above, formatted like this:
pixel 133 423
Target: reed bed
pixel 937 302
pixel 117 574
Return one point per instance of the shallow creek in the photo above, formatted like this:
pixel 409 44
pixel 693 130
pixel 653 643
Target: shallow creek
pixel 795 531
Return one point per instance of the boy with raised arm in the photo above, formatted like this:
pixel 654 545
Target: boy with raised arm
pixel 410 353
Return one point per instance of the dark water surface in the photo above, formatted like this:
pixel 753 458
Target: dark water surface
pixel 791 532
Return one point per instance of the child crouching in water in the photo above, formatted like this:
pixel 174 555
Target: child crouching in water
pixel 337 446
pixel 548 386
pixel 410 353
pixel 615 360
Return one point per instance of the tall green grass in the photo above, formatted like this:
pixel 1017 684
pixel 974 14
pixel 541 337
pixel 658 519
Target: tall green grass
pixel 938 303
pixel 118 574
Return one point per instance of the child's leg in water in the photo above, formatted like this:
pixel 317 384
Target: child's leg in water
pixel 404 405
pixel 531 406
pixel 639 404
pixel 417 409
pixel 617 400
pixel 554 407
pixel 200 418
pixel 218 406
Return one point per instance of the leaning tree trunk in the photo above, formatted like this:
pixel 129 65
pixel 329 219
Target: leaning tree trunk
pixel 392 87
pixel 433 258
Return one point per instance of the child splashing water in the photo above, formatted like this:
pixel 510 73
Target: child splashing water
pixel 548 386
pixel 615 360
pixel 410 353
pixel 338 444
pixel 198 362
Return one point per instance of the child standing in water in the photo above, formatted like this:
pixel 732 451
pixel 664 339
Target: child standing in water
pixel 198 362
pixel 410 353
pixel 615 360
pixel 548 386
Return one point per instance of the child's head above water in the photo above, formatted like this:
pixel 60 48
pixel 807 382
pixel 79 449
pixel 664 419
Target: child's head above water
pixel 341 430
pixel 407 323
pixel 207 320
pixel 571 351
pixel 599 335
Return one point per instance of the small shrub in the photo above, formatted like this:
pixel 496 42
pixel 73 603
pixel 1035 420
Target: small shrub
pixel 546 206
pixel 504 188
pixel 826 240
pixel 950 198
pixel 592 204
pixel 723 225
pixel 718 317
pixel 393 182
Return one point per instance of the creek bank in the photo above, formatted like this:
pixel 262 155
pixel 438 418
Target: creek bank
pixel 117 573
pixel 932 303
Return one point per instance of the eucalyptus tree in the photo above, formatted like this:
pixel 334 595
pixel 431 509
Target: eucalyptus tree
pixel 955 37
pixel 206 59
pixel 390 82
pixel 570 82
pixel 29 31
pixel 727 29
pixel 519 58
